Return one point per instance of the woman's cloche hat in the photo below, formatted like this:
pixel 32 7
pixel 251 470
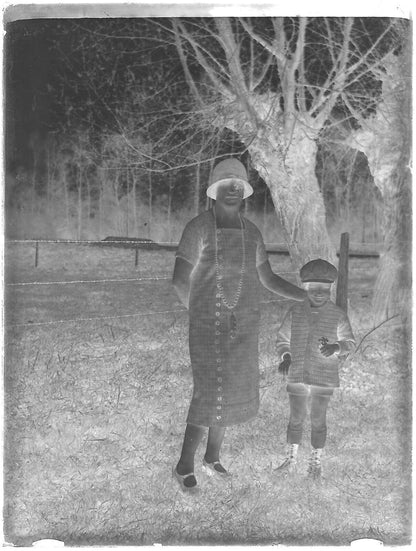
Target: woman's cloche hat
pixel 318 270
pixel 229 169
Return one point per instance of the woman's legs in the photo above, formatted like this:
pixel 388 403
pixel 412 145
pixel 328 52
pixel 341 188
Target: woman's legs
pixel 215 438
pixel 191 441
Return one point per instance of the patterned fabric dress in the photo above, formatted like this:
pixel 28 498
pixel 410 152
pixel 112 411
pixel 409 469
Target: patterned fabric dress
pixel 225 370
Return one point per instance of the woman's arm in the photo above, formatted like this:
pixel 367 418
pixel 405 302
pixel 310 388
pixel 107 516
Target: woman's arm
pixel 181 279
pixel 276 284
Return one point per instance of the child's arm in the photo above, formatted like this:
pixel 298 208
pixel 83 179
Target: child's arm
pixel 346 339
pixel 345 342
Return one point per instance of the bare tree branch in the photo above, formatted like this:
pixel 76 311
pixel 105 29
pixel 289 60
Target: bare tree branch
pixel 336 79
pixel 237 80
pixel 363 58
pixel 202 58
pixel 182 57
pixel 270 47
pixel 374 329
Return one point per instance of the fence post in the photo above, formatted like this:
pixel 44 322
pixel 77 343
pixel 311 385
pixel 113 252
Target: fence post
pixel 136 258
pixel 342 284
pixel 36 254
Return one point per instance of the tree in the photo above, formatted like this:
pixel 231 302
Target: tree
pixel 385 138
pixel 181 93
pixel 276 83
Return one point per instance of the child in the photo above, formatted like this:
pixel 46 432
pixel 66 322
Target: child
pixel 314 335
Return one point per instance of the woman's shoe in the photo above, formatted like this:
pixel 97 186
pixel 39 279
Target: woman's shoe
pixel 187 482
pixel 215 468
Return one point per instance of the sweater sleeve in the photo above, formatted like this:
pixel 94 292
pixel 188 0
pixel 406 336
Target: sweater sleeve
pixel 345 336
pixel 189 247
pixel 283 335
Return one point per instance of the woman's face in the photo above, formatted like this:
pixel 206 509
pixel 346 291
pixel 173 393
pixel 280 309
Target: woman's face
pixel 230 193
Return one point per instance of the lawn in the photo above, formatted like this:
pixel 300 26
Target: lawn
pixel 97 385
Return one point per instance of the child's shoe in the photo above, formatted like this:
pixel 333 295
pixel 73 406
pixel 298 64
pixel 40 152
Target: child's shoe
pixel 290 462
pixel 314 465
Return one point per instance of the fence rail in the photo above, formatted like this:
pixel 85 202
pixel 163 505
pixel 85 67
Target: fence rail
pixel 119 316
pixel 365 250
pixel 272 248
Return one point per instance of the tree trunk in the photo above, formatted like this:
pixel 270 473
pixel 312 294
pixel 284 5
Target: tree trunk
pixel 48 180
pixel 150 188
pixel 100 211
pixel 170 208
pixel 33 194
pixel 392 294
pixel 296 196
pixel 135 218
pixel 89 210
pixel 127 202
pixel 197 188
pixel 66 195
pixel 79 231
pixel 386 141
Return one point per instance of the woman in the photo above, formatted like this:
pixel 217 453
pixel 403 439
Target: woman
pixel 220 262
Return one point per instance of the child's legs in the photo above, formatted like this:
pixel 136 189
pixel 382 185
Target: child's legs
pixel 298 398
pixel 320 397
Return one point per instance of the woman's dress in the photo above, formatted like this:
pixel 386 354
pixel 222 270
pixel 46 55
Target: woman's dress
pixel 225 369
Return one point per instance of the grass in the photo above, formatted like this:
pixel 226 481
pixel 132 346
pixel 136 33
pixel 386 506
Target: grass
pixel 95 415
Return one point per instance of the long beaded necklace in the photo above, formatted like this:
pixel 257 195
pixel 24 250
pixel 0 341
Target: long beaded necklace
pixel 230 304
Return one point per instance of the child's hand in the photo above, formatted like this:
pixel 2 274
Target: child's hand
pixel 327 349
pixel 285 364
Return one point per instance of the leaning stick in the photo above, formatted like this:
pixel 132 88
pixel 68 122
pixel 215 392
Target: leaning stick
pixel 342 284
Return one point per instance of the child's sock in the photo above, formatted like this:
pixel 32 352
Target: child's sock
pixel 292 451
pixel 316 455
pixel 315 467
pixel 289 463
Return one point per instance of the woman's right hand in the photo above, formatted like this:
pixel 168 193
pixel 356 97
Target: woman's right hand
pixel 278 285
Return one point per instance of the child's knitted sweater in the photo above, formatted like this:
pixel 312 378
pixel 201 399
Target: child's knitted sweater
pixel 299 334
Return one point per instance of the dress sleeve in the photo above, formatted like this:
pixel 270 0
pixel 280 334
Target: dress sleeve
pixel 261 254
pixel 190 243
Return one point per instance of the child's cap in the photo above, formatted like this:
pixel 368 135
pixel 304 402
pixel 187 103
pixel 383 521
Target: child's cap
pixel 318 270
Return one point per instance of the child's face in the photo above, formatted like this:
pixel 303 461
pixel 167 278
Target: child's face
pixel 318 293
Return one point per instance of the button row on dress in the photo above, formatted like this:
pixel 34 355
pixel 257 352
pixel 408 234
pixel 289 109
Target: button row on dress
pixel 218 350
